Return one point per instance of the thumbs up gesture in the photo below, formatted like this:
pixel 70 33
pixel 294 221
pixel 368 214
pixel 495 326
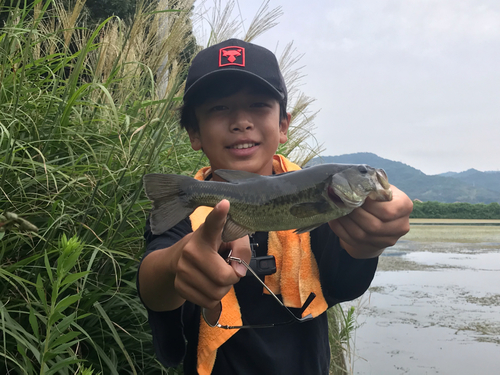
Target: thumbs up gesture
pixel 193 268
pixel 202 275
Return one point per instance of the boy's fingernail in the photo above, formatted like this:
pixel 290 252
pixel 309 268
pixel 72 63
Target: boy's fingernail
pixel 240 269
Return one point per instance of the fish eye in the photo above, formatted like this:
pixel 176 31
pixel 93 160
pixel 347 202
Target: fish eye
pixel 362 168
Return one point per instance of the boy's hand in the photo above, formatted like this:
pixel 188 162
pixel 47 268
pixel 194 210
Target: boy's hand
pixel 368 230
pixel 202 276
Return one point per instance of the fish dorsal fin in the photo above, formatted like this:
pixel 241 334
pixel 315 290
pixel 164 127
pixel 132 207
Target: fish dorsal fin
pixel 308 209
pixel 236 176
pixel 233 231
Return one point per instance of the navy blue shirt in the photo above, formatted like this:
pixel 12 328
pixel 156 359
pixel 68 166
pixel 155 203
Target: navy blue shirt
pixel 300 348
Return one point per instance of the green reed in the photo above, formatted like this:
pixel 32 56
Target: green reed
pixel 80 123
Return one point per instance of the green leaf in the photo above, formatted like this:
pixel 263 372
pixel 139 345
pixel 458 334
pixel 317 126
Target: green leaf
pixel 112 328
pixel 21 350
pixel 64 339
pixel 34 323
pixel 71 278
pixel 23 339
pixel 40 291
pixel 62 364
pixel 55 293
pixel 66 302
pixel 105 358
pixel 48 267
pixel 47 356
pixel 54 318
pixel 83 316
pixel 65 322
pixel 23 366
pixel 71 260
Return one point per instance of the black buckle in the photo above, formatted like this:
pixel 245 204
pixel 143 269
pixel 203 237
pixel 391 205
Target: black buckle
pixel 263 265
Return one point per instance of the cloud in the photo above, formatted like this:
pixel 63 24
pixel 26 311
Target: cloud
pixel 411 23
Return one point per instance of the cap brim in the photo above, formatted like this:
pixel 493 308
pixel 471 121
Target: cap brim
pixel 210 78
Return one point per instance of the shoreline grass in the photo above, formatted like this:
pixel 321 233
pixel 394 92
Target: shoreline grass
pixel 455 221
pixel 458 233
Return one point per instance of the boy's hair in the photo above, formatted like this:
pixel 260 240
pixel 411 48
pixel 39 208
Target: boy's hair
pixel 218 90
pixel 224 69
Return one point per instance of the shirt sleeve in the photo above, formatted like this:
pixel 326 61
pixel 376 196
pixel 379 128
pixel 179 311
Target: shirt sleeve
pixel 166 326
pixel 343 278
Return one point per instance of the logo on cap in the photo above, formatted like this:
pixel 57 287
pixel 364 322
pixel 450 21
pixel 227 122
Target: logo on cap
pixel 232 56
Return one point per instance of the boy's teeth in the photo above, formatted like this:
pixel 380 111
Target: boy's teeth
pixel 244 145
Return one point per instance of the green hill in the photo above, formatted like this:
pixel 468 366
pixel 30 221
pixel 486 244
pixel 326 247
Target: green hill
pixel 481 187
pixel 488 180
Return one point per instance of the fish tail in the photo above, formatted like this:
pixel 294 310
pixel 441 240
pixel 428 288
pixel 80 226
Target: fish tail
pixel 167 192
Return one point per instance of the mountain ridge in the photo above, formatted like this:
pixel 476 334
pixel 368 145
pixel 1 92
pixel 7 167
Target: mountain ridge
pixel 471 186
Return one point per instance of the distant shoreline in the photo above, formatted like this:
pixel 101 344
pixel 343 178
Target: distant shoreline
pixel 486 222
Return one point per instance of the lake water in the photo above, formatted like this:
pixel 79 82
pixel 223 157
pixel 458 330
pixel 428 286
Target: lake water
pixel 433 308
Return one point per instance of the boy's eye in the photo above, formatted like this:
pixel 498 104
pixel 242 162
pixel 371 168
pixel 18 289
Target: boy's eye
pixel 260 104
pixel 217 108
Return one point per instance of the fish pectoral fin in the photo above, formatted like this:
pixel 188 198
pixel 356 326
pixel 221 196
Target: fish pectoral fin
pixel 233 231
pixel 236 176
pixel 308 209
pixel 306 229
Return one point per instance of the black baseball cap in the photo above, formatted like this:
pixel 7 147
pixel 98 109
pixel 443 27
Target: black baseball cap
pixel 235 57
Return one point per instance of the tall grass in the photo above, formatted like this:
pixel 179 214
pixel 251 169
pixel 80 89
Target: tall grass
pixel 341 327
pixel 85 112
pixel 81 121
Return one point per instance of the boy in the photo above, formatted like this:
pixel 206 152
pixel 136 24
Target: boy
pixel 235 111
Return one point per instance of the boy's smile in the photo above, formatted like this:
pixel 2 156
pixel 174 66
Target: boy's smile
pixel 241 131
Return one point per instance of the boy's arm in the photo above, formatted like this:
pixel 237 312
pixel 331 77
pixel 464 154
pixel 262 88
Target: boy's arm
pixel 192 268
pixel 368 230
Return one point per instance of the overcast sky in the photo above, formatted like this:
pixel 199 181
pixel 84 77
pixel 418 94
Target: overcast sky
pixel 416 81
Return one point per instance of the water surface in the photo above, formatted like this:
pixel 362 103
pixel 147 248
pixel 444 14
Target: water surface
pixel 433 308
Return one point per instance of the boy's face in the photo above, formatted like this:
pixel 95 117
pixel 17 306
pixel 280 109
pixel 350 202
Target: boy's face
pixel 241 131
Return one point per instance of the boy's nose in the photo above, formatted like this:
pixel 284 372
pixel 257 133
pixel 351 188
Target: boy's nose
pixel 241 122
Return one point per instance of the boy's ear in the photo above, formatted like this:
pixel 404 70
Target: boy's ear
pixel 194 137
pixel 284 125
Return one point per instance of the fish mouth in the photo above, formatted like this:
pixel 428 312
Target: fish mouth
pixel 338 197
pixel 383 179
pixel 334 197
pixel 384 192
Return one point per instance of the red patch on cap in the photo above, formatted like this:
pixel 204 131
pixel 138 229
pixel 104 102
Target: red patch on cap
pixel 232 56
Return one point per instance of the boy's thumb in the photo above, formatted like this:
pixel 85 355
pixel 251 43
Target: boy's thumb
pixel 214 223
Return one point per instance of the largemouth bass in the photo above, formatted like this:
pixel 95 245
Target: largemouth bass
pixel 301 200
